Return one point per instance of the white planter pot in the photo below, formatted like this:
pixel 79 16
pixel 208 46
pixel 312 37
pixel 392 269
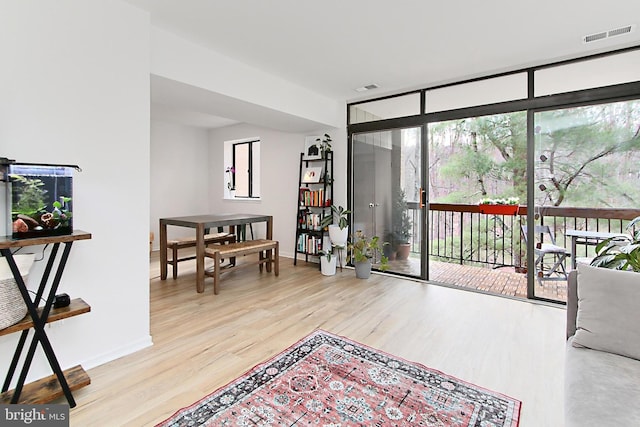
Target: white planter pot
pixel 328 268
pixel 337 235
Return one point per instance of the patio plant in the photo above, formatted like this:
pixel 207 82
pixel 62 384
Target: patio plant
pixel 500 201
pixel 619 254
pixel 401 226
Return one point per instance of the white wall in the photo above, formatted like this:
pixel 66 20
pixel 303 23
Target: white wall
pixel 177 59
pixel 280 158
pixel 74 88
pixel 179 175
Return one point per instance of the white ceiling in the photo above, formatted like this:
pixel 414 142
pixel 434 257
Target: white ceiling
pixel 334 46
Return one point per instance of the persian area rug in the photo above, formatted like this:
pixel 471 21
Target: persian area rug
pixel 327 380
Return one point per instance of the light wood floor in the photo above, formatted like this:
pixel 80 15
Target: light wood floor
pixel 202 341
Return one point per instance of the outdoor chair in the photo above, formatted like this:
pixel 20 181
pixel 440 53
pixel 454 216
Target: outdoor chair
pixel 550 258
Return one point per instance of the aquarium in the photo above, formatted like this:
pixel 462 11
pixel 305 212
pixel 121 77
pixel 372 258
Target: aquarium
pixel 39 198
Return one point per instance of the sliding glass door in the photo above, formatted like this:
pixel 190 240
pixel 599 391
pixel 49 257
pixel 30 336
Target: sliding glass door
pixel 386 182
pixel 587 167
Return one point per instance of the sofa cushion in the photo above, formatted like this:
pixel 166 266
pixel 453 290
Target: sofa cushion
pixel 608 315
pixel 601 389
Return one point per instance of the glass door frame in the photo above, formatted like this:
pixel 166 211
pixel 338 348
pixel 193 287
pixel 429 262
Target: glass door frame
pixel 422 216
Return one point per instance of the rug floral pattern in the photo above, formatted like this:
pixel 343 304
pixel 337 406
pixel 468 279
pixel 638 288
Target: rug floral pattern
pixel 330 381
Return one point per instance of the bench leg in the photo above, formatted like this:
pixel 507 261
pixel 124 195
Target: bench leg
pixel 261 257
pixel 270 260
pixel 276 259
pixel 216 272
pixel 175 262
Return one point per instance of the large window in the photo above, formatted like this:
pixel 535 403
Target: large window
pixel 564 139
pixel 242 169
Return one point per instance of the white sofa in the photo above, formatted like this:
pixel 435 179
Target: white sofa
pixel 602 363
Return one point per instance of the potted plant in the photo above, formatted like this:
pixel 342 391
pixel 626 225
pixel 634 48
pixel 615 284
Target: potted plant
pixel 620 253
pixel 509 206
pixel 328 260
pixel 361 250
pixel 324 144
pixel 338 225
pixel 401 226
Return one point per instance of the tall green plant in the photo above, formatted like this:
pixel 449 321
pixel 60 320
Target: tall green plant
pixel 339 214
pixel 620 254
pixel 401 220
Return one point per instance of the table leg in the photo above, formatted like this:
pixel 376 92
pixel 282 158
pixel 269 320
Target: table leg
pixel 163 250
pixel 270 228
pixel 200 258
pixel 269 237
pixel 574 245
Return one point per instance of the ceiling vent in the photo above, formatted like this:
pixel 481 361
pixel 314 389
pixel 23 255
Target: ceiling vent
pixel 606 34
pixel 367 87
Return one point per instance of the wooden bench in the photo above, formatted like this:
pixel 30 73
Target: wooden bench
pixel 267 250
pixel 190 242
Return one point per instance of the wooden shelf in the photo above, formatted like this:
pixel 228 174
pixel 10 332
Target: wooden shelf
pixel 77 306
pixel 8 242
pixel 48 389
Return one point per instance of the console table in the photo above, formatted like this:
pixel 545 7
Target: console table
pixel 60 382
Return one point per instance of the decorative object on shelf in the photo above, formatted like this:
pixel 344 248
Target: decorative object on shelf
pixel 401 226
pixel 620 253
pixel 311 149
pixel 39 198
pixel 362 250
pixel 509 206
pixel 312 175
pixel 230 171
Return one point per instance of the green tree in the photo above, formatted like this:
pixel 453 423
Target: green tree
pixel 587 154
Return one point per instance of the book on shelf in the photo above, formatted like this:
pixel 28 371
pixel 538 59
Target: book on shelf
pixel 314 198
pixel 309 244
pixel 310 221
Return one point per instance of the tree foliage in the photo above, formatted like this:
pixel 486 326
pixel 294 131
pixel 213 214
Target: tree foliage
pixel 585 156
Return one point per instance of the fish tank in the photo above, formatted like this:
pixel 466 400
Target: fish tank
pixel 39 198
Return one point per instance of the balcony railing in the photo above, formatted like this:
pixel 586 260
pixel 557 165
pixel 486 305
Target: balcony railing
pixel 461 233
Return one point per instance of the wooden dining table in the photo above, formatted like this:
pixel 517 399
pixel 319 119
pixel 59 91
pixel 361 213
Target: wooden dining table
pixel 201 223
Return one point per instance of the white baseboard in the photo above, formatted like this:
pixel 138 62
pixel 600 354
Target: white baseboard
pixel 118 353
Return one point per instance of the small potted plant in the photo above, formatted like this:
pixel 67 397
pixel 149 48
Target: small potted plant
pixel 324 144
pixel 362 249
pixel 329 259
